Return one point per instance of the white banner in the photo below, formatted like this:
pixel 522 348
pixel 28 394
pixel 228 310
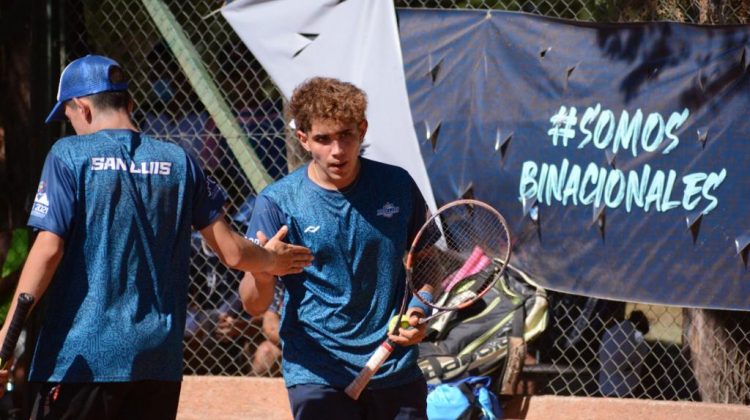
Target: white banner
pixel 353 40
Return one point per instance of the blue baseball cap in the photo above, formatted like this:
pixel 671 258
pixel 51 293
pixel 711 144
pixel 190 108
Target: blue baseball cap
pixel 83 77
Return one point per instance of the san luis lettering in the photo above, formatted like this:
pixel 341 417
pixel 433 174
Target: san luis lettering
pixel 118 164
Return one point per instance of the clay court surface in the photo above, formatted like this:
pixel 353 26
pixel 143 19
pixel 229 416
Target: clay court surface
pixel 219 398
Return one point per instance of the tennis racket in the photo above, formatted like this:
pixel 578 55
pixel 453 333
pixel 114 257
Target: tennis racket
pixel 23 305
pixel 456 257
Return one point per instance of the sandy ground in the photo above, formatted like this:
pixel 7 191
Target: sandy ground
pixel 220 398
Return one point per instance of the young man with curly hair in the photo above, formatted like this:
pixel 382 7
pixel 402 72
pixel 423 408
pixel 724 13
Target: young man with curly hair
pixel 358 218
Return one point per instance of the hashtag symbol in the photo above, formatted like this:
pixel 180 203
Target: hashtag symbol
pixel 562 125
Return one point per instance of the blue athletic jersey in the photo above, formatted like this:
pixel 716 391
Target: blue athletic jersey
pixel 124 203
pixel 336 312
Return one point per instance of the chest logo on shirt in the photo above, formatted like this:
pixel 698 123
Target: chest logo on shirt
pixel 388 210
pixel 41 201
pixel 312 229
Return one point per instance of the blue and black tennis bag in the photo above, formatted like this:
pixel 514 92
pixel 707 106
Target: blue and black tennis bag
pixel 487 338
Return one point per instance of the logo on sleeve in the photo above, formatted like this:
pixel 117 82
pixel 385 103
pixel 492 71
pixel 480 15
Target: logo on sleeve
pixel 212 187
pixel 388 210
pixel 312 229
pixel 41 201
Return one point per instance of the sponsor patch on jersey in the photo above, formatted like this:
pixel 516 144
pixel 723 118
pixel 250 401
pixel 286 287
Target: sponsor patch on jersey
pixel 388 210
pixel 40 208
pixel 213 189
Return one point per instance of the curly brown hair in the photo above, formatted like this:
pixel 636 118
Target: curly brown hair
pixel 322 98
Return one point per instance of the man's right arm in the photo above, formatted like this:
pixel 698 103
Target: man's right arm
pixel 233 250
pixel 38 269
pixel 237 252
pixel 52 214
pixel 37 273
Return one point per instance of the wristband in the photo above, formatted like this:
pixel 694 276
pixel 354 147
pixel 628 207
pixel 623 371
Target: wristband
pixel 416 303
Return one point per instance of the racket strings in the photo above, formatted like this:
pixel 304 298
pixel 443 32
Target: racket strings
pixel 459 254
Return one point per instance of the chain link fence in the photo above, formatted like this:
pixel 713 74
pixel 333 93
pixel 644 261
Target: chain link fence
pixel 591 347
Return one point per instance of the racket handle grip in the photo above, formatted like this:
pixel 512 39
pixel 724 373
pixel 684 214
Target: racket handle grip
pixel 23 305
pixel 371 367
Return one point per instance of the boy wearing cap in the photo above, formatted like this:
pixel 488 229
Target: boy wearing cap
pixel 358 217
pixel 114 211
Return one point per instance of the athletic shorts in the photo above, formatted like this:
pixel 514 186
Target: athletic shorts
pixel 141 400
pixel 314 402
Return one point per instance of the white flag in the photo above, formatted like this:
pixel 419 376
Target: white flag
pixel 351 40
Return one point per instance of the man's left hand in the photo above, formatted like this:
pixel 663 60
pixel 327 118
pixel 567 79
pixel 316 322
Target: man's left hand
pixel 415 333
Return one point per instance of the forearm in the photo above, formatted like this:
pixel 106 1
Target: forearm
pixel 234 250
pixel 37 273
pixel 274 257
pixel 257 292
pixel 248 256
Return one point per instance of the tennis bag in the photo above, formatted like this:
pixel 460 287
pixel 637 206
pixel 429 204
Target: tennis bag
pixel 474 341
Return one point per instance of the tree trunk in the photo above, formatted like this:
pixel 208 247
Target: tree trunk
pixel 26 61
pixel 719 341
pixel 15 68
pixel 719 345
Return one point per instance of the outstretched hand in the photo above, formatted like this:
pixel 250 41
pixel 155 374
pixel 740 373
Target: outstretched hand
pixel 285 258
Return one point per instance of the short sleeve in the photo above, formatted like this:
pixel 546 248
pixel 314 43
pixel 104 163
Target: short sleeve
pixel 54 204
pixel 208 196
pixel 267 217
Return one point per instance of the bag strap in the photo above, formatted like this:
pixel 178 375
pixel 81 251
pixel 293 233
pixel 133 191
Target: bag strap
pixel 468 392
pixel 519 319
pixel 516 353
pixel 437 368
pixel 472 411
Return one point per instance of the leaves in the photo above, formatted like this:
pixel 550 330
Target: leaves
pixel 19 250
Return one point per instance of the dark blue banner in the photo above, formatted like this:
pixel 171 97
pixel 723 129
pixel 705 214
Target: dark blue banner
pixel 618 153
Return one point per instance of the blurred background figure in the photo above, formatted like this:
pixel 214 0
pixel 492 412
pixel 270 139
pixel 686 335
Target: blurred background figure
pixel 173 110
pixel 621 356
pixel 218 330
pixel 266 360
pixel 257 108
